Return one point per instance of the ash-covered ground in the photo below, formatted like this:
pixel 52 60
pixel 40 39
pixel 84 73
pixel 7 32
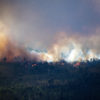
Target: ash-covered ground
pixel 28 80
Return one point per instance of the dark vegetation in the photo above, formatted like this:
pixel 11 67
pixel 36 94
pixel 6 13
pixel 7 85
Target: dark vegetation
pixel 54 81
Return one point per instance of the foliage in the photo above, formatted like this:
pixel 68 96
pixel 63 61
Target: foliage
pixel 53 81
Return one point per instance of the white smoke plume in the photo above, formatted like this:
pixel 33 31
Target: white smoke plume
pixel 74 48
pixel 65 47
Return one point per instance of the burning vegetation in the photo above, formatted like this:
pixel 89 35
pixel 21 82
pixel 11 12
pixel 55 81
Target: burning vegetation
pixel 9 51
pixel 67 48
pixel 68 75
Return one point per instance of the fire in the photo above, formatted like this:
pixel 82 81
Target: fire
pixel 70 52
pixel 67 48
pixel 3 43
pixel 77 64
pixel 70 49
pixel 46 57
pixel 9 50
pixel 33 65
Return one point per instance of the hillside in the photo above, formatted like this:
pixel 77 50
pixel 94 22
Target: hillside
pixel 49 81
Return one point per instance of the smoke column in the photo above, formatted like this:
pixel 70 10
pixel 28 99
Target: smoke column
pixel 65 47
pixel 73 48
pixel 10 50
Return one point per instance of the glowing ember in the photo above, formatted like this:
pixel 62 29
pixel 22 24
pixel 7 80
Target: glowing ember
pixel 77 64
pixel 33 65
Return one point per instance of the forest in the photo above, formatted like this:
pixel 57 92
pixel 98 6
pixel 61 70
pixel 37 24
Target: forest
pixel 28 80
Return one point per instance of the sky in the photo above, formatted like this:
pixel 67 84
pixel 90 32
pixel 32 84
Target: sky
pixel 35 23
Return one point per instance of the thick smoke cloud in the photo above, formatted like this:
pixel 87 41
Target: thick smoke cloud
pixel 51 26
pixel 76 47
pixel 64 47
pixel 35 22
pixel 10 50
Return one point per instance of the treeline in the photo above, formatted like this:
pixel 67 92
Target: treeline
pixel 50 81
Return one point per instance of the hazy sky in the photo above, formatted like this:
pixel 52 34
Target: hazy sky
pixel 37 22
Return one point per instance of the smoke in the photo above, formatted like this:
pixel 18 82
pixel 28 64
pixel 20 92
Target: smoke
pixel 64 47
pixel 75 47
pixel 10 50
